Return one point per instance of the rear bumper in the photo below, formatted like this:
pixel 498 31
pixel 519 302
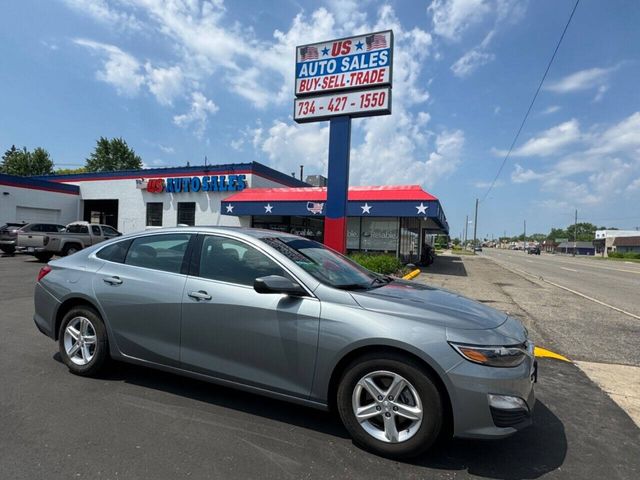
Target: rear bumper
pixel 45 307
pixel 8 243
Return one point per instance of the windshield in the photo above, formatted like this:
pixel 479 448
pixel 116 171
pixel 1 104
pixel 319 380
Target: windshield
pixel 326 265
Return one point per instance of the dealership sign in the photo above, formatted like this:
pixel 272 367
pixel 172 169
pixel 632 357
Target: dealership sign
pixel 206 183
pixel 344 64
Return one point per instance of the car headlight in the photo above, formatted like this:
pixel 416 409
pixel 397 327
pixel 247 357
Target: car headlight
pixel 492 356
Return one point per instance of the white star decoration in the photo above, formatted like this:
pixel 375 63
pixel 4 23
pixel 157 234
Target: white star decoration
pixel 229 208
pixel 267 208
pixel 366 208
pixel 422 208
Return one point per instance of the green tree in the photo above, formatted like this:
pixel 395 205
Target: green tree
pixel 112 155
pixel 69 171
pixel 557 233
pixel 25 163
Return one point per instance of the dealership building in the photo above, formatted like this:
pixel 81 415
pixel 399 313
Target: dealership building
pixel 392 219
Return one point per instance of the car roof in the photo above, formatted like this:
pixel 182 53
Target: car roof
pixel 251 232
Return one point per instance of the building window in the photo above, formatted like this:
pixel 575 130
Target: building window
pixel 379 234
pixel 154 214
pixel 187 213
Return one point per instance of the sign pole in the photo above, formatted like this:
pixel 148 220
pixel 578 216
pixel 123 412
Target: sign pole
pixel 335 222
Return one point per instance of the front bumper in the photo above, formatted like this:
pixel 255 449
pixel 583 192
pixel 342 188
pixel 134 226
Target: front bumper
pixel 476 413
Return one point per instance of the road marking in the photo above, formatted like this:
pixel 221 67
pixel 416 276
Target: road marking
pixel 595 300
pixel 543 352
pixel 569 269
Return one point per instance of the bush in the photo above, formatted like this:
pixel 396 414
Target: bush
pixel 384 264
pixel 632 255
pixel 615 255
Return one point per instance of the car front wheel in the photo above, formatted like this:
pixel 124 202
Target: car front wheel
pixel 390 406
pixel 82 341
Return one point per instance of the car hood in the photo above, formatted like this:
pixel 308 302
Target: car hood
pixel 418 301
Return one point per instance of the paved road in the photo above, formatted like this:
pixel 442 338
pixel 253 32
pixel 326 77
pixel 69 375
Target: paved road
pixel 136 423
pixel 612 282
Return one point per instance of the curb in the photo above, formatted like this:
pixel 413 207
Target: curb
pixel 411 275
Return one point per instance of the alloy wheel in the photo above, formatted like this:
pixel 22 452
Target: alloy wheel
pixel 387 406
pixel 80 340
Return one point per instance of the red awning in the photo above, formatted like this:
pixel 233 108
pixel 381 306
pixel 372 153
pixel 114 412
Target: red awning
pixel 383 192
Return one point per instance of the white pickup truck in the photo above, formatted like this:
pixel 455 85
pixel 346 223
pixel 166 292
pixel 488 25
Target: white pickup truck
pixel 76 236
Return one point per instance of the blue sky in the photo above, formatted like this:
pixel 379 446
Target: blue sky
pixel 183 79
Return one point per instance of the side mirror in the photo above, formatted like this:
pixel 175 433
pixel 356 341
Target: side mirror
pixel 278 284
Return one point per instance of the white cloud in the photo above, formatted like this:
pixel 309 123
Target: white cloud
pixel 201 108
pixel 165 83
pixel 486 184
pixel 550 109
pixel 120 69
pixel 471 61
pixel 549 142
pixel 581 80
pixel 166 149
pixel 606 165
pixel 101 11
pixel 521 175
pixel 452 17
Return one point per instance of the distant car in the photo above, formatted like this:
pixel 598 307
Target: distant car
pixel 533 251
pixel 8 236
pixel 285 316
pixel 477 248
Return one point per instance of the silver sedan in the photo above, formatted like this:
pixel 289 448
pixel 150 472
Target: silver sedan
pixel 403 363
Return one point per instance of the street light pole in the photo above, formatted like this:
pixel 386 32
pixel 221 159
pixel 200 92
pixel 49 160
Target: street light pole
pixel 575 233
pixel 466 226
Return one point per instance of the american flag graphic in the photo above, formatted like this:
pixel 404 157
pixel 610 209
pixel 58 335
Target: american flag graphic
pixel 376 41
pixel 308 53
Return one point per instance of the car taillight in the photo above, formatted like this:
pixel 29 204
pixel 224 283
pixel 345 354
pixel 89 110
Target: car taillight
pixel 43 271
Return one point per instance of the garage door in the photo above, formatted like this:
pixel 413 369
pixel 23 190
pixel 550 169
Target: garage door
pixel 40 215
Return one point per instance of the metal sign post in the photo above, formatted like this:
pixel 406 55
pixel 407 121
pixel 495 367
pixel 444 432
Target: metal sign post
pixel 338 80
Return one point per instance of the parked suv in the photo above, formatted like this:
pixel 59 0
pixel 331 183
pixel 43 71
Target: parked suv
pixel 8 234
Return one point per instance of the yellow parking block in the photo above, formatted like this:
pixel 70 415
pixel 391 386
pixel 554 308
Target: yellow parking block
pixel 543 352
pixel 412 275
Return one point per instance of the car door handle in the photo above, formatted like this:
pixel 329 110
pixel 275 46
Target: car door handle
pixel 200 295
pixel 113 280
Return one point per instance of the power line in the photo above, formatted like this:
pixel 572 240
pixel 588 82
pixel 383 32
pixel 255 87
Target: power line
pixel 532 101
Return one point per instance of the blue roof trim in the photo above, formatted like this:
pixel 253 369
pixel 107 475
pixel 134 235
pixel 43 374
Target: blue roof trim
pixel 254 167
pixel 38 184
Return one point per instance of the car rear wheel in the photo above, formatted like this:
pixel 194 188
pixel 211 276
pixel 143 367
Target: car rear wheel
pixel 8 249
pixel 390 406
pixel 82 341
pixel 70 249
pixel 43 257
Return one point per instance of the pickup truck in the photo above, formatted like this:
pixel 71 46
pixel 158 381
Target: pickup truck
pixel 8 235
pixel 77 235
pixel 30 236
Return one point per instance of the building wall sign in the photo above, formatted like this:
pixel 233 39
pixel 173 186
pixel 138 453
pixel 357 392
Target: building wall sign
pixel 206 183
pixel 344 64
pixel 361 103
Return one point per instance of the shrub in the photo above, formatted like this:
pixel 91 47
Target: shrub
pixel 632 255
pixel 384 264
pixel 616 255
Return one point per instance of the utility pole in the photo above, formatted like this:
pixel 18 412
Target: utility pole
pixel 575 233
pixel 475 228
pixel 524 238
pixel 466 225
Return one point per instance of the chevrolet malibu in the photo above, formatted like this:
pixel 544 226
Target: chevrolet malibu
pixel 403 363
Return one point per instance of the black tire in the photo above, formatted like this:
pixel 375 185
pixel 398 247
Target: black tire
pixel 433 411
pixel 8 249
pixel 70 249
pixel 101 350
pixel 43 257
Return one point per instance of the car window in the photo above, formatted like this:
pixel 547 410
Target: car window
pixel 233 261
pixel 77 229
pixel 109 231
pixel 160 252
pixel 116 252
pixel 95 229
pixel 36 227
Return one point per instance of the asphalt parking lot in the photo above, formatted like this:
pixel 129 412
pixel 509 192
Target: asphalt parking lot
pixel 138 423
